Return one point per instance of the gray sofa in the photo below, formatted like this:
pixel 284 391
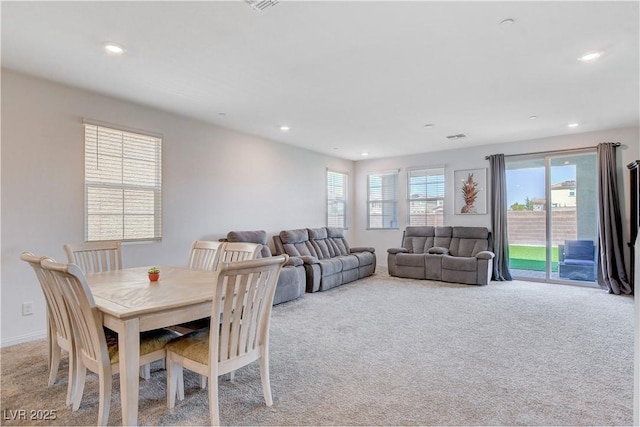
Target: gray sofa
pixel 292 279
pixel 450 254
pixel 328 260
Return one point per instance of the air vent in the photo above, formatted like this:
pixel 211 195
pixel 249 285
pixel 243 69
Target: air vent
pixel 458 136
pixel 261 4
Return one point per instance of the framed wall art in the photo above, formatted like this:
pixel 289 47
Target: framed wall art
pixel 470 192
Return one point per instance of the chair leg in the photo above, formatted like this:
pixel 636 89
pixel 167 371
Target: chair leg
pixel 106 383
pixel 71 382
pixel 213 402
pixel 181 383
pixel 264 376
pixel 145 371
pixel 54 362
pixel 174 377
pixel 232 376
pixel 80 377
pixel 203 381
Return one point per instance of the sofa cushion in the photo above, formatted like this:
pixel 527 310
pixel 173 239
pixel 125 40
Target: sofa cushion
pixel 467 247
pixel 410 260
pixel 294 236
pixel 349 262
pixel 330 266
pixel 317 233
pixel 459 263
pixel 437 250
pixel 364 258
pixel 417 244
pixel 442 237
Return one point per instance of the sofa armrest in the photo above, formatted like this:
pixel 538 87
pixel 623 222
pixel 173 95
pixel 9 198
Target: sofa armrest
pixel 362 249
pixel 437 250
pixel 294 261
pixel 485 255
pixel 398 250
pixel 309 259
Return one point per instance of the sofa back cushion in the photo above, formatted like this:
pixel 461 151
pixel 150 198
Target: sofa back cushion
pixel 257 236
pixel 418 240
pixel 468 241
pixel 322 243
pixel 296 243
pixel 443 237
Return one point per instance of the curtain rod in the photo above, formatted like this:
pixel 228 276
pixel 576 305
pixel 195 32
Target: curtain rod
pixel 615 144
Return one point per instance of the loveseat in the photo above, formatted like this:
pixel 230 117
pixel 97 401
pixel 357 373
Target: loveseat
pixel 328 260
pixel 292 279
pixel 449 254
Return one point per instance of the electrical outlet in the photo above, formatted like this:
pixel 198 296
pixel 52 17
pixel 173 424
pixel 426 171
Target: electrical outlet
pixel 27 308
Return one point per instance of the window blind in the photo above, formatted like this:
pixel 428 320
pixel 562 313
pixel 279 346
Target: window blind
pixel 336 199
pixel 382 200
pixel 425 201
pixel 123 185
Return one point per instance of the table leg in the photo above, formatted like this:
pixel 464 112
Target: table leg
pixel 129 349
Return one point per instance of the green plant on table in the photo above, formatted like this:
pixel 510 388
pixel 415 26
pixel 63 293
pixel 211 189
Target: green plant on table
pixel 154 270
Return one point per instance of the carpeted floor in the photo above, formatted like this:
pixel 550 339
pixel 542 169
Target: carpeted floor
pixel 389 351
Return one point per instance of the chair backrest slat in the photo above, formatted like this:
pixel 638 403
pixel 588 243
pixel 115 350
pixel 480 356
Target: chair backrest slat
pixel 59 318
pixel 239 251
pixel 244 295
pixel 95 257
pixel 205 255
pixel 70 283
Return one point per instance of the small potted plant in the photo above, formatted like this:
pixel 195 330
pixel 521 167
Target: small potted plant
pixel 154 274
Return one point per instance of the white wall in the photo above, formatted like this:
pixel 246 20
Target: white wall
pixel 473 158
pixel 214 180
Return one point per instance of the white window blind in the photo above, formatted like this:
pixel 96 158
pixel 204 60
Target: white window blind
pixel 123 184
pixel 425 201
pixel 336 199
pixel 382 200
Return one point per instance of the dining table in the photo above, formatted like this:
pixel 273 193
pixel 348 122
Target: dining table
pixel 130 303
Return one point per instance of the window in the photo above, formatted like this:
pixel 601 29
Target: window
pixel 122 181
pixel 336 199
pixel 382 200
pixel 425 201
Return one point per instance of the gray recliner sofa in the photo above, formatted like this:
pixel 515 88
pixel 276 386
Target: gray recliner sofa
pixel 328 259
pixel 292 279
pixel 449 254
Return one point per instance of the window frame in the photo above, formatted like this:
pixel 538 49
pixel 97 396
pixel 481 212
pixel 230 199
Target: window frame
pixel 426 173
pixel 146 148
pixel 388 202
pixel 344 201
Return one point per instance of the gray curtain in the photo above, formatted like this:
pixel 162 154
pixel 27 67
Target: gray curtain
pixel 612 275
pixel 499 217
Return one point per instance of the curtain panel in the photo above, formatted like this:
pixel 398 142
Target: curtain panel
pixel 612 273
pixel 499 217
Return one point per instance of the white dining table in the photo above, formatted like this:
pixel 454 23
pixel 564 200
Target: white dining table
pixel 130 304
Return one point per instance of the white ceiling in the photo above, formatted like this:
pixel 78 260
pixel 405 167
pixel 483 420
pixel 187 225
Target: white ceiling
pixel 350 76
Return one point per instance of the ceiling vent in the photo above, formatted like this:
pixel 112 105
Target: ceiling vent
pixel 261 4
pixel 458 136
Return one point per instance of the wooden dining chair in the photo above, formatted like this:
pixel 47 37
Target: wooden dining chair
pixel 205 255
pixel 93 352
pixel 95 257
pixel 59 334
pixel 242 302
pixel 239 251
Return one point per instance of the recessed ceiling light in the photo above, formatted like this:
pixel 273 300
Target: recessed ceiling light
pixel 222 114
pixel 566 162
pixel 285 128
pixel 429 125
pixel 365 154
pixel 533 117
pixel 590 57
pixel 507 21
pixel 113 48
pixel 573 125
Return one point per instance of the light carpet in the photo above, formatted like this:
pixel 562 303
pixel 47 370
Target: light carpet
pixel 389 351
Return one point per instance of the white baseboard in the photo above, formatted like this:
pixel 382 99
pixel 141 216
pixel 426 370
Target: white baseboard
pixel 23 338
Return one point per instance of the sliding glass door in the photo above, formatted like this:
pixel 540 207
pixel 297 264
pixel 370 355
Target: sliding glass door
pixel 552 217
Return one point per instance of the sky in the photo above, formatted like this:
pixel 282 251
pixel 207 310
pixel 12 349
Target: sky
pixel 523 183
